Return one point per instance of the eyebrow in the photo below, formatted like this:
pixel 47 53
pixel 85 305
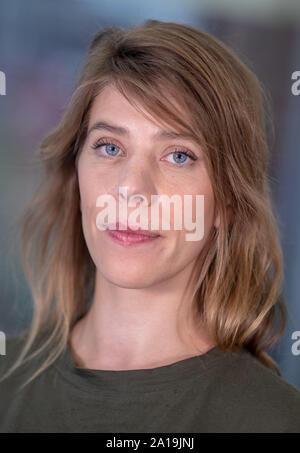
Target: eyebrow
pixel 99 125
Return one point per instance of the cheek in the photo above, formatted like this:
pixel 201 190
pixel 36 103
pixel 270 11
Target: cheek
pixel 197 230
pixel 89 186
pixel 89 191
pixel 192 240
pixel 199 210
pixel 85 190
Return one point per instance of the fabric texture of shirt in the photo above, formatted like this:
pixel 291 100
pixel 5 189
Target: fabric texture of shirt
pixel 217 391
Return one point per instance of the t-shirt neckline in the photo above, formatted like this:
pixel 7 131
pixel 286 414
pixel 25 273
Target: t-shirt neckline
pixel 137 379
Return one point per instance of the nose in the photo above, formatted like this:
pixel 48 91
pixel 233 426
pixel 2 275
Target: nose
pixel 137 181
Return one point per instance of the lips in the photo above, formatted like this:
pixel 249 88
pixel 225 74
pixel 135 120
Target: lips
pixel 139 231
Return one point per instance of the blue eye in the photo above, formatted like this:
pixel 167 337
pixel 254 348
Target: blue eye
pixel 186 155
pixel 110 151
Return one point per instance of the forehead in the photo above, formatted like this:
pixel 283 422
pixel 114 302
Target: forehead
pixel 112 105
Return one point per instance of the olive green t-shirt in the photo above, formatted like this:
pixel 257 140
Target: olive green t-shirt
pixel 214 392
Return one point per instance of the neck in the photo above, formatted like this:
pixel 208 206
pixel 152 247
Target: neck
pixel 132 329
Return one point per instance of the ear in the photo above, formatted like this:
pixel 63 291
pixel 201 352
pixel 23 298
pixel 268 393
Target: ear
pixel 229 213
pixel 217 220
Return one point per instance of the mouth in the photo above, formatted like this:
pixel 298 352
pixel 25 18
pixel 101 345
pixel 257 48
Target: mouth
pixel 129 237
pixel 129 232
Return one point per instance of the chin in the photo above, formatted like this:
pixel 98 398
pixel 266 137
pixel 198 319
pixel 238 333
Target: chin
pixel 130 283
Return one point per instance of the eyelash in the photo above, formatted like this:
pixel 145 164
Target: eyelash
pixel 103 141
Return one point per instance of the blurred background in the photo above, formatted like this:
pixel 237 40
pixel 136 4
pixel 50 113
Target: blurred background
pixel 42 47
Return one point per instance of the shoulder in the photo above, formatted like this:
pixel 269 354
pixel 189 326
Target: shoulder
pixel 12 349
pixel 261 395
pixel 259 378
pixel 13 374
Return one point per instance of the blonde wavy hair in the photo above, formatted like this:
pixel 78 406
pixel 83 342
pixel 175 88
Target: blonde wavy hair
pixel 239 273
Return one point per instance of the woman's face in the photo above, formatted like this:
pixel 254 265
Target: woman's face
pixel 147 166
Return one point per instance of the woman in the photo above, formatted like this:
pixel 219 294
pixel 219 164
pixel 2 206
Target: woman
pixel 162 334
